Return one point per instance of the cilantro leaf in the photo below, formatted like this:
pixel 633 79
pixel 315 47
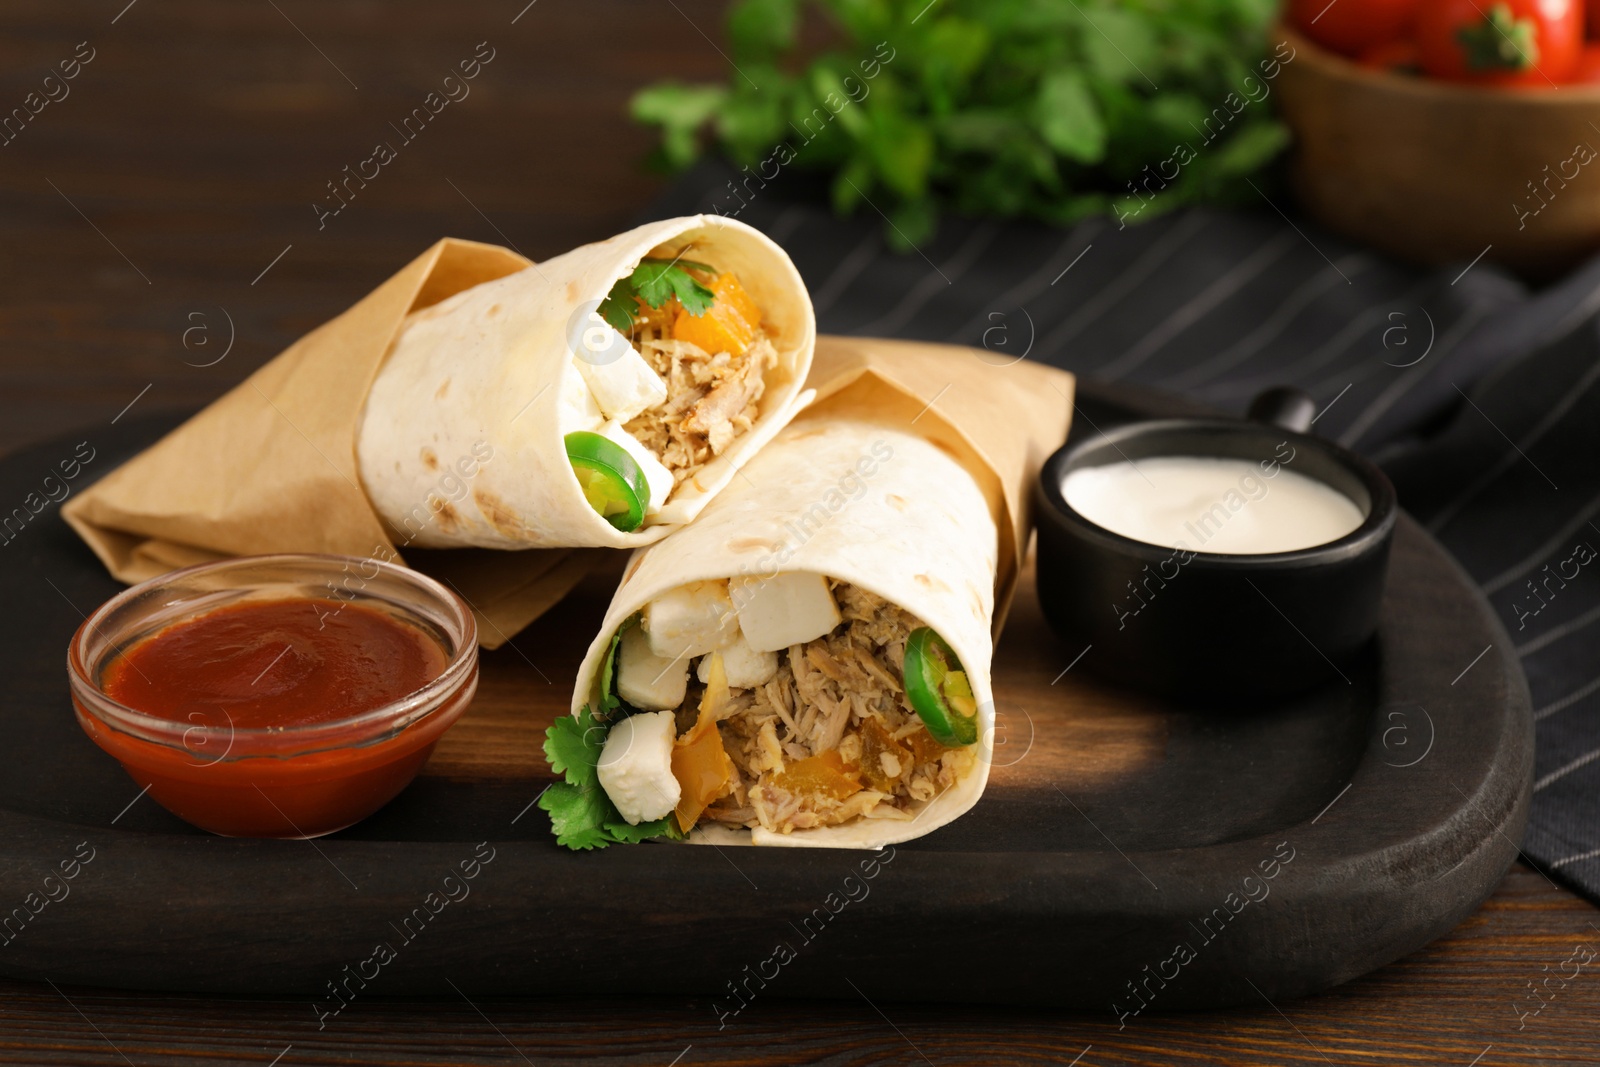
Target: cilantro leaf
pixel 657 281
pixel 609 701
pixel 617 307
pixel 903 153
pixel 696 299
pixel 1069 121
pixel 572 745
pixel 1250 148
pixel 680 111
pixel 581 815
pixel 761 28
pixel 623 834
pixel 578 817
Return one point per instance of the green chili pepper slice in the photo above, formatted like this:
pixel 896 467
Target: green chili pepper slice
pixel 611 481
pixel 939 689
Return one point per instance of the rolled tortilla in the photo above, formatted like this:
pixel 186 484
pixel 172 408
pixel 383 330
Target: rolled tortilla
pixel 869 506
pixel 462 438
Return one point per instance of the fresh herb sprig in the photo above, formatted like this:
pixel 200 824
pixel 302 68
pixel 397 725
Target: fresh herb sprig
pixel 581 815
pixel 1049 109
pixel 655 281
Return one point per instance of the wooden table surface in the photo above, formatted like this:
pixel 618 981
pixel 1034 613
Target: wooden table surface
pixel 160 242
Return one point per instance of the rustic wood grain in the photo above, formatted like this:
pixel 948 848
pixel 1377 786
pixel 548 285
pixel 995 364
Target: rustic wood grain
pixel 1446 1005
pixel 194 145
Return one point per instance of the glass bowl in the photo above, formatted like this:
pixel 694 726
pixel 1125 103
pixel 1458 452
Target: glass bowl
pixel 298 781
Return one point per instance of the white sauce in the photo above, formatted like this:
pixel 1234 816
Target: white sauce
pixel 1212 504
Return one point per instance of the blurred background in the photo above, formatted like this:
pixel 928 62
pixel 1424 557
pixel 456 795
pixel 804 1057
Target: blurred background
pixel 181 175
pixel 183 180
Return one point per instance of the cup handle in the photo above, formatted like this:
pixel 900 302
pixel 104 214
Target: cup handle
pixel 1283 406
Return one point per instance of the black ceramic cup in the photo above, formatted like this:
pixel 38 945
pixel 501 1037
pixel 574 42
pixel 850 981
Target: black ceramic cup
pixel 1210 626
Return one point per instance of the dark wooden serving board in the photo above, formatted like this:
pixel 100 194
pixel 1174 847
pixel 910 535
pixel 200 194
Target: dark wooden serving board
pixel 1114 827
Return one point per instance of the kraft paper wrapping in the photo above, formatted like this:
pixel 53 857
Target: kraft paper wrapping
pixel 271 465
pixel 1001 421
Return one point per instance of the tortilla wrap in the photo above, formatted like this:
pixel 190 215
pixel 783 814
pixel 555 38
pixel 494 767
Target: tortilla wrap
pixel 914 528
pixel 484 373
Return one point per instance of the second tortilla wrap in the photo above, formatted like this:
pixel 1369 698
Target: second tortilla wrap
pixel 877 509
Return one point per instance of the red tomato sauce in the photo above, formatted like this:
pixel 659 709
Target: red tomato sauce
pixel 261 690
pixel 274 663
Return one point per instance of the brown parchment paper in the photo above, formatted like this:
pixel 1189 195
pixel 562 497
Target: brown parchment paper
pixel 1000 419
pixel 271 465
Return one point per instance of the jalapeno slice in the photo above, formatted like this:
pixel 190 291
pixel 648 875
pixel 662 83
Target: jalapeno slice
pixel 939 689
pixel 611 481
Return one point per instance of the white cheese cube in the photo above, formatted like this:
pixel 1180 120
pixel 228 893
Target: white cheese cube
pixel 655 473
pixel 578 410
pixel 690 620
pixel 645 679
pixel 635 766
pixel 786 609
pixel 623 385
pixel 742 666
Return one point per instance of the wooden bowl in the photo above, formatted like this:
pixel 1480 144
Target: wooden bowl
pixel 1436 172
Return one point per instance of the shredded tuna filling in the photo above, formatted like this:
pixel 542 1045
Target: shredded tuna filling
pixel 712 398
pixel 839 693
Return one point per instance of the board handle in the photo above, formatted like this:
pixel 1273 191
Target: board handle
pixel 1284 406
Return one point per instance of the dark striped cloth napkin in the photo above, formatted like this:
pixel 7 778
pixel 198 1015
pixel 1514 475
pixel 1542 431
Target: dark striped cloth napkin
pixel 1475 393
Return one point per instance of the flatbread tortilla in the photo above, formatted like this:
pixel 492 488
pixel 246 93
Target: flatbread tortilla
pixel 483 373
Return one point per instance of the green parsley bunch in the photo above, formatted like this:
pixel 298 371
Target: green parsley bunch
pixel 1047 109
